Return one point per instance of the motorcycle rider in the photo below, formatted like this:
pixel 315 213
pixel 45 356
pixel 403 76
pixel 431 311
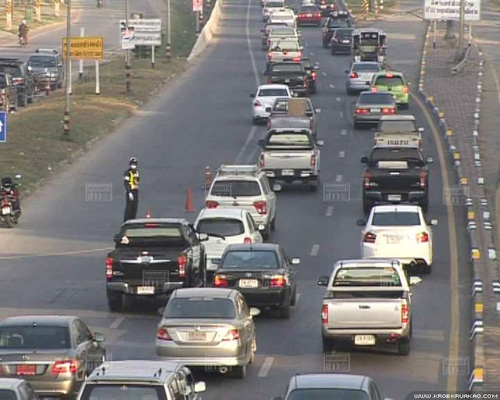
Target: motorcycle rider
pixel 100 3
pixel 131 180
pixel 8 188
pixel 23 32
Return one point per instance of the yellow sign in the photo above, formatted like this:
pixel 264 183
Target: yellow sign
pixel 85 48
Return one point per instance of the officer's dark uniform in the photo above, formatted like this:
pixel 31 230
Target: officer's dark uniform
pixel 131 180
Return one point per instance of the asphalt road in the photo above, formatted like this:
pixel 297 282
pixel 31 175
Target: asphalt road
pixel 54 261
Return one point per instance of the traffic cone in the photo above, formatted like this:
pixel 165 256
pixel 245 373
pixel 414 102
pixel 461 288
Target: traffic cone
pixel 148 215
pixel 189 201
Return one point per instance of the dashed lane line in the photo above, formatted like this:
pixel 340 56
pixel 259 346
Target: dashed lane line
pixel 338 99
pixel 266 366
pixel 329 211
pixel 117 322
pixel 338 178
pixel 341 154
pixel 332 86
pixel 315 250
pixel 343 132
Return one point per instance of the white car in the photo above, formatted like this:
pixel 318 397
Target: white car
pixel 270 6
pixel 398 232
pixel 284 15
pixel 226 226
pixel 360 75
pixel 264 99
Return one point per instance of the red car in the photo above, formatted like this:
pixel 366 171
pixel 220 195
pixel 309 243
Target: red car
pixel 309 15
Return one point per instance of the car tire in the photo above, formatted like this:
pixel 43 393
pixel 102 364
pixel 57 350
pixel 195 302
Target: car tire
pixel 239 372
pixel 293 301
pixel 266 232
pixel 427 269
pixel 284 312
pixel 115 300
pixel 404 347
pixel 367 206
pixel 23 100
pixel 273 223
pixel 328 345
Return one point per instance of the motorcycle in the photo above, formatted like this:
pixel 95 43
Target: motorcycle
pixel 9 215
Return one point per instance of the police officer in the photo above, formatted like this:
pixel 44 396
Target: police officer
pixel 131 179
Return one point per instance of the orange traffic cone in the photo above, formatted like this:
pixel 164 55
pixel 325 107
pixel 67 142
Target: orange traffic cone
pixel 148 215
pixel 189 201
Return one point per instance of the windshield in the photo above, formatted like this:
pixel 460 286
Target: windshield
pixel 397 126
pixel 282 31
pixel 337 22
pixel 272 93
pixel 221 226
pixel 343 32
pixel 396 218
pixel 409 154
pixel 14 71
pixel 369 276
pixel 385 81
pixel 34 337
pixel 287 68
pixel 6 394
pixel 250 260
pixel 152 233
pixel 327 393
pixel 273 25
pixel 200 308
pixel 376 98
pixel 123 391
pixel 234 188
pixel 42 62
pixel 282 45
pixel 309 9
pixel 294 139
pixel 366 67
pixel 278 4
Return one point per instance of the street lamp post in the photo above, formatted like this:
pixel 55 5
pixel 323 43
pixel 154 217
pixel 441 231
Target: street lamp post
pixel 127 54
pixel 68 70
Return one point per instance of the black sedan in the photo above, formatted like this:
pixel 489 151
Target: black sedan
pixel 341 41
pixel 262 272
pixel 332 23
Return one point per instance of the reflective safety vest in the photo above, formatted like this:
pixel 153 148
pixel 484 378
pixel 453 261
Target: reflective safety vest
pixel 132 179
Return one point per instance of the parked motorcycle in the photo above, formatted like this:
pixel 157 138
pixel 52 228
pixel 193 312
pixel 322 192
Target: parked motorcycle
pixel 10 210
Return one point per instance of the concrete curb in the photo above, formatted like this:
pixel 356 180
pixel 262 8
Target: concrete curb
pixel 206 33
pixel 479 228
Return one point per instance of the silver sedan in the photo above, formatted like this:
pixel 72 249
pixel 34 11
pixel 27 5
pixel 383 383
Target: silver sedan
pixel 360 75
pixel 208 327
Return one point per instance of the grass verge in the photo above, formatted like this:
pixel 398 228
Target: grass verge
pixel 48 18
pixel 35 145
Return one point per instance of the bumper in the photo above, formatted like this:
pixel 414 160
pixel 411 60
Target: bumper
pixel 418 196
pixel 309 21
pixel 406 254
pixel 358 85
pixel 260 113
pixel 366 119
pixel 298 175
pixel 381 335
pixel 336 48
pixel 266 297
pixel 126 288
pixel 54 387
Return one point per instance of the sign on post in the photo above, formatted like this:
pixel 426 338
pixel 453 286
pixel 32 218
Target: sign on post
pixel 444 10
pixel 128 39
pixel 3 126
pixel 147 32
pixel 84 48
pixel 198 6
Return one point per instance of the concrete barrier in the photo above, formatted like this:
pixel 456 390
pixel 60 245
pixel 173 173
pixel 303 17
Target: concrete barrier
pixel 207 33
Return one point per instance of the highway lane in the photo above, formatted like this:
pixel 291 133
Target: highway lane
pixel 173 149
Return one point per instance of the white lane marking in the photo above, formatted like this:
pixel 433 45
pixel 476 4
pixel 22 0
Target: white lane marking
pixel 341 114
pixel 343 132
pixel 338 178
pixel 332 85
pixel 311 53
pixel 329 211
pixel 264 370
pixel 342 154
pixel 323 73
pixel 402 36
pixel 297 299
pixel 247 142
pixel 117 322
pixel 315 250
pixel 338 99
pixel 64 253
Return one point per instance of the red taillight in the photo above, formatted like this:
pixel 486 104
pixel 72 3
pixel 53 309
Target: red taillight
pixel 182 262
pixel 374 90
pixel 211 204
pixel 233 334
pixel 405 90
pixel 162 334
pixel 296 59
pixel 317 15
pixel 257 103
pixel 388 111
pixel 247 240
pixel 109 267
pixel 423 179
pixel 404 313
pixel 261 206
pixel 220 281
pixel 262 160
pixel 277 281
pixel 361 111
pixel 313 75
pixel 302 15
pixel 323 1
pixel 369 237
pixel 324 314
pixel 366 180
pixel 389 75
pixel 65 366
pixel 422 237
pixel 313 160
pixel 353 75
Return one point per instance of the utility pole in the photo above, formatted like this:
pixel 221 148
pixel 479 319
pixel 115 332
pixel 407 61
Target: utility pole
pixel 462 27
pixel 68 70
pixel 127 54
pixel 169 50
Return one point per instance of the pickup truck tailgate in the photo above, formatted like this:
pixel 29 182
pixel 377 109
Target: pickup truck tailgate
pixel 369 313
pixel 396 179
pixel 287 159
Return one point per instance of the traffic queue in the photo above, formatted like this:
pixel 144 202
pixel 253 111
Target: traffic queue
pixel 220 271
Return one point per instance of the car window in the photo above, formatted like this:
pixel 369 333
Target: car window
pixel 385 81
pixel 256 259
pixel 42 61
pixel 123 392
pixel 287 68
pixel 397 126
pixel 35 337
pixel 327 393
pixel 197 307
pixel 343 32
pixel 366 67
pixel 285 45
pixel 152 230
pixel 235 188
pixel 376 98
pixel 367 276
pixel 221 226
pixel 272 93
pixel 289 139
pixel 396 218
pixel 84 331
pixel 409 154
pixel 7 394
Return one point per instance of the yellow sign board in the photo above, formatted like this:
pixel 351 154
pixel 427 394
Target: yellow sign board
pixel 85 48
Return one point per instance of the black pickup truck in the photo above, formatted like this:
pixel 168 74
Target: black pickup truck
pixel 395 175
pixel 291 74
pixel 153 257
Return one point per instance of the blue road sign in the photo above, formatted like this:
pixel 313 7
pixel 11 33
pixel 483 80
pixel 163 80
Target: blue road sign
pixel 3 126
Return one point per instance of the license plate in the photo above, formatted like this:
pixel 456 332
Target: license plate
pixel 26 370
pixel 249 283
pixel 345 41
pixel 364 340
pixel 287 172
pixel 146 290
pixel 309 15
pixel 394 239
pixel 368 82
pixel 375 110
pixel 394 197
pixel 287 80
pixel 197 335
pixel 5 210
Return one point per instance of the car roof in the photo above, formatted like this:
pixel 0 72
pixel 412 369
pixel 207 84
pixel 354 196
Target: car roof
pixel 134 370
pixel 10 383
pixel 367 262
pixel 344 381
pixel 398 117
pixel 253 246
pixel 219 293
pixel 395 207
pixel 273 86
pixel 43 320
pixel 222 212
pixel 181 221
pixel 365 62
pixel 393 73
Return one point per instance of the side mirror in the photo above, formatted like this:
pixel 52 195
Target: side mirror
pixel 364 160
pixel 261 142
pixel 317 110
pixel 261 227
pixel 200 387
pixel 98 337
pixel 320 142
pixel 252 95
pixel 429 160
pixel 268 109
pixel 415 280
pixel 254 311
pixel 421 129
pixel 277 187
pixel 361 222
pixel 60 65
pixel 323 280
pixel 202 237
pixel 295 261
pixel 216 261
pixel 433 222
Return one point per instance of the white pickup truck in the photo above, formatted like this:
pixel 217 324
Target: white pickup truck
pixel 398 139
pixel 290 155
pixel 367 302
